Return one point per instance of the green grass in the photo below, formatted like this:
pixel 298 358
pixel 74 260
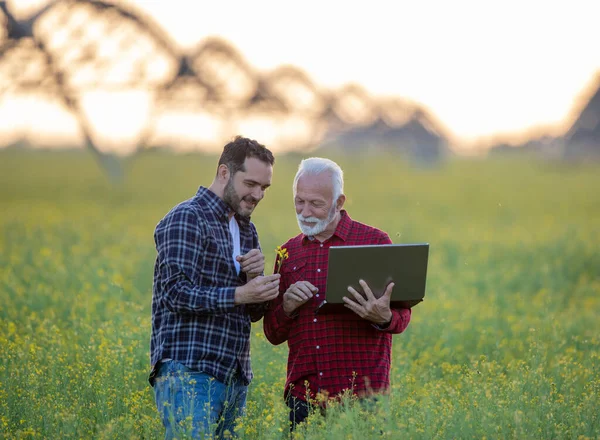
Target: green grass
pixel 506 344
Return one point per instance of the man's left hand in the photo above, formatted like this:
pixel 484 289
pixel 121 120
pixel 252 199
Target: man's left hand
pixel 252 263
pixel 375 310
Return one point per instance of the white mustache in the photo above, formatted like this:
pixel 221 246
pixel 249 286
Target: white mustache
pixel 308 219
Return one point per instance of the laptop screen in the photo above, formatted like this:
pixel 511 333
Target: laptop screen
pixel 378 265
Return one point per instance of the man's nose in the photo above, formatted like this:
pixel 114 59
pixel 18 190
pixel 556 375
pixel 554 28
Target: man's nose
pixel 258 193
pixel 306 212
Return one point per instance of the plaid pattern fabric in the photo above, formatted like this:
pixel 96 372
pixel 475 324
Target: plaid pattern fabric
pixel 330 352
pixel 194 319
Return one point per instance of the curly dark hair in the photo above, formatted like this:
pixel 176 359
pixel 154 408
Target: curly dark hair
pixel 235 153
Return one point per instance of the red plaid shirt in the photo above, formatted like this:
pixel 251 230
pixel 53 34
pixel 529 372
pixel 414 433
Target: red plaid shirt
pixel 331 352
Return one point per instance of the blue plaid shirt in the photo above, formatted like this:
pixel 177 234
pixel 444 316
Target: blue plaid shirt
pixel 194 319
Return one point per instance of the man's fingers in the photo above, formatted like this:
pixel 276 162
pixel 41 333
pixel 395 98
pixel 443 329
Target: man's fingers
pixel 249 259
pixel 300 294
pixel 264 288
pixel 353 306
pixel 269 278
pixel 311 287
pixel 367 290
pixel 254 253
pixel 256 268
pixel 348 301
pixel 296 297
pixel 359 298
pixel 388 290
pixel 272 293
pixel 302 291
pixel 305 290
pixel 245 264
pixel 351 303
pixel 274 284
pixel 293 296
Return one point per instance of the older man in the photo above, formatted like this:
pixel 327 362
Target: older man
pixel 334 352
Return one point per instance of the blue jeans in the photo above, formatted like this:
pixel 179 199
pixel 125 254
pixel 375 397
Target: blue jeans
pixel 195 404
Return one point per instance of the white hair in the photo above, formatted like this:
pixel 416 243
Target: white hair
pixel 314 166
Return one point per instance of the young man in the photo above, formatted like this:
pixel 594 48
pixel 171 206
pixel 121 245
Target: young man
pixel 208 287
pixel 334 352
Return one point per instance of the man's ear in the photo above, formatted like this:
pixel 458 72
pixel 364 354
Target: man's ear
pixel 223 173
pixel 339 204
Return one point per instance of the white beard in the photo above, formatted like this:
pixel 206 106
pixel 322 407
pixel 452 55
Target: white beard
pixel 317 226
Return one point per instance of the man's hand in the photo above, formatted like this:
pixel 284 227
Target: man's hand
pixel 258 290
pixel 296 295
pixel 252 263
pixel 375 310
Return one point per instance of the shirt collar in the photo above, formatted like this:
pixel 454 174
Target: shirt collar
pixel 341 231
pixel 218 206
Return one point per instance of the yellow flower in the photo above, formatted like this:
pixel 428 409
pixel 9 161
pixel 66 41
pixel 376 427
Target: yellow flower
pixel 282 254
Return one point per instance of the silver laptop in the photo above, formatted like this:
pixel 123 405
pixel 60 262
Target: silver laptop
pixel 378 265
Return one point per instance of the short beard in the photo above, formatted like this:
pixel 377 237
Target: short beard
pixel 318 225
pixel 234 201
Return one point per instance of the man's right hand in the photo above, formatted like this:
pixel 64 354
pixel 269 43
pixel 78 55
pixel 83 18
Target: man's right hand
pixel 258 290
pixel 296 295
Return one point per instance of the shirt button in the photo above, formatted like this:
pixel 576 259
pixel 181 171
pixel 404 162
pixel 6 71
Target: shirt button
pixel 317 295
pixel 318 346
pixel 315 320
pixel 318 270
pixel 294 268
pixel 321 245
pixel 320 373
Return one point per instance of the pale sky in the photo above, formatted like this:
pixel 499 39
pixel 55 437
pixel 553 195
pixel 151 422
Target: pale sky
pixel 482 67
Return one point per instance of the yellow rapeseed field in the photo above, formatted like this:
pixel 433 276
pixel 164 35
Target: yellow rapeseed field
pixel 505 345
